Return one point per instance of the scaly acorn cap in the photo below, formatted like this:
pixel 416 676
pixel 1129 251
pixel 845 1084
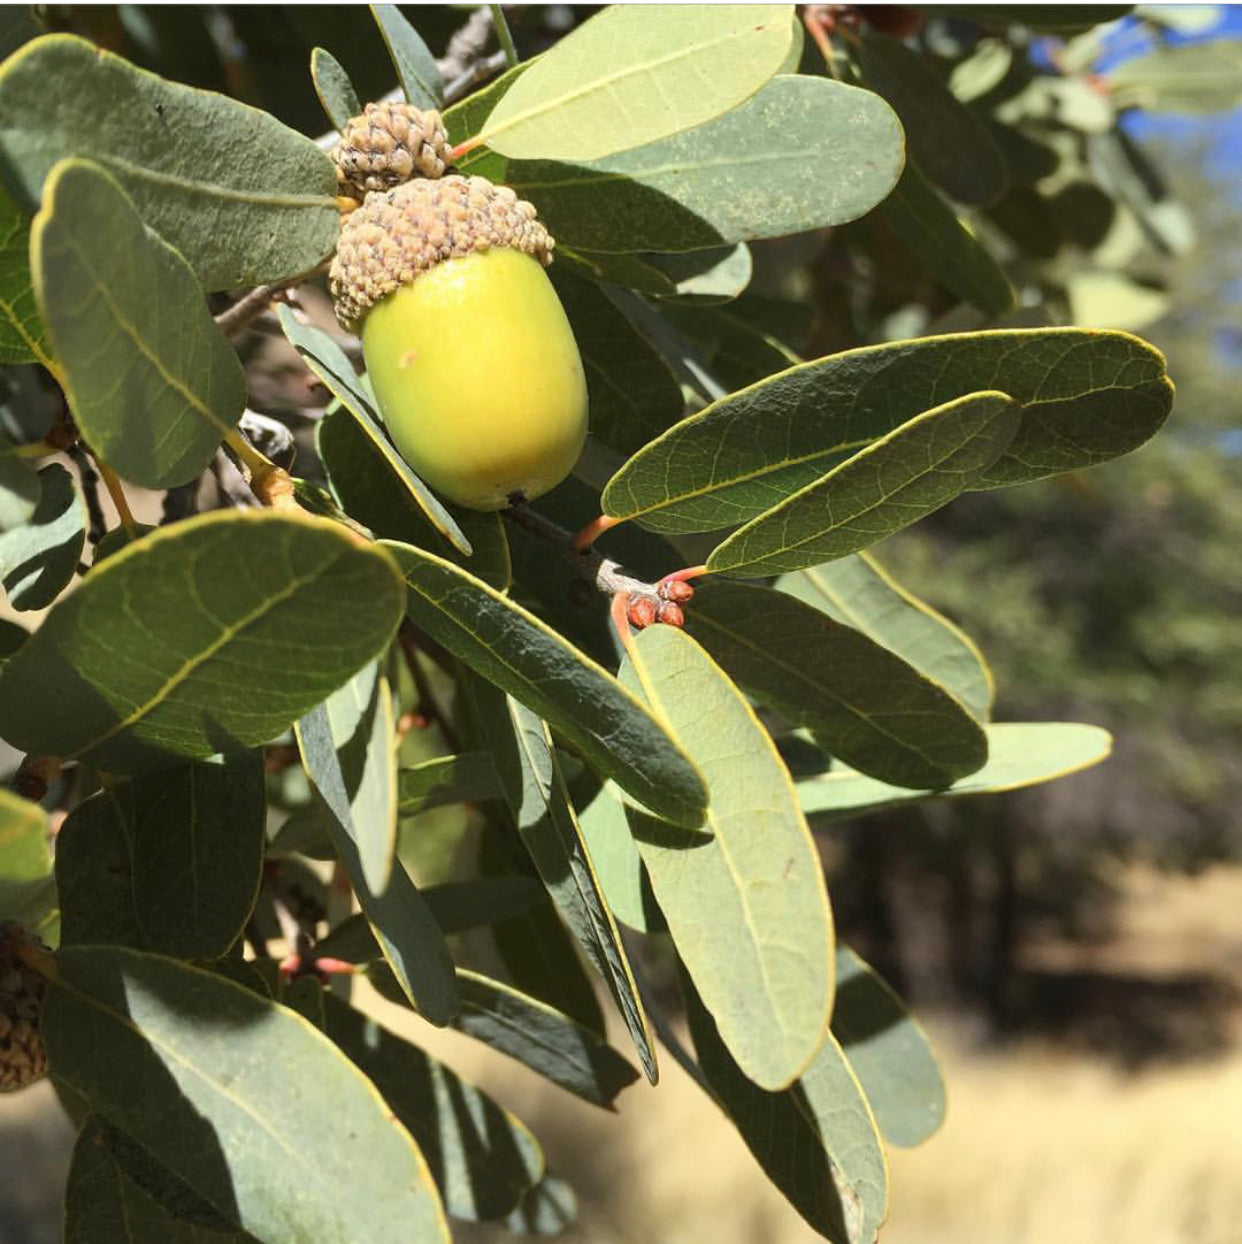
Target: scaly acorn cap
pixel 395 236
pixel 387 145
pixel 22 1057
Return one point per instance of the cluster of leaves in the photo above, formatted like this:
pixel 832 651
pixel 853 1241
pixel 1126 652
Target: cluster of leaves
pixel 226 705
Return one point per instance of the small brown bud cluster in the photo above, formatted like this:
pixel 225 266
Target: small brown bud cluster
pixel 22 1057
pixel 395 236
pixel 664 607
pixel 388 145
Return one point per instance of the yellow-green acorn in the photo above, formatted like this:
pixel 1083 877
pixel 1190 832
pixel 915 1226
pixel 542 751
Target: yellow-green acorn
pixel 469 351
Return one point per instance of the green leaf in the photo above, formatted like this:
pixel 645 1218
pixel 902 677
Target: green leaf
pixel 738 354
pixel 468 778
pixel 632 394
pixel 27 890
pixel 38 559
pixel 105 1204
pixel 549 1208
pixel 893 482
pixel 331 364
pixel 22 339
pixel 361 766
pixel 534 788
pixel 860 593
pixel 94 868
pixel 629 76
pixel 150 380
pixel 197 833
pixel 209 635
pixel 12 637
pixel 930 230
pixel 541 1038
pixel 630 271
pixel 414 63
pixel 20 489
pixel 581 701
pixel 244 198
pixel 804 153
pixel 335 90
pixel 458 907
pixel 482 1158
pixel 866 705
pixel 181 1060
pixel 347 750
pixel 747 907
pixel 622 877
pixel 950 143
pixel 117 1193
pixel 715 275
pixel 816 1140
pixel 888 1052
pixel 536 952
pixel 464 119
pixel 371 493
pixel 1019 754
pixel 1191 78
pixel 1087 396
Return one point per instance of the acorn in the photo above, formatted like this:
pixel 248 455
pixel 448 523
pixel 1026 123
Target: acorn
pixel 389 144
pixel 22 1057
pixel 469 352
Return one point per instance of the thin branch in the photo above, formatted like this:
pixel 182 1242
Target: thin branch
pixel 644 603
pixel 428 705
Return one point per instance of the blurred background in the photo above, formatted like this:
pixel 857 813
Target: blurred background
pixel 1075 950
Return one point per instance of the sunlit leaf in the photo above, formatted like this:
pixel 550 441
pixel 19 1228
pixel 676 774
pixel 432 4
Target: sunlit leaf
pixel 888 1052
pixel 482 1158
pixel 865 705
pixel 860 593
pixel 347 749
pixel 1191 78
pixel 143 660
pixel 1019 754
pixel 632 75
pixel 181 1060
pixel 150 380
pixel 816 1140
pixel 242 197
pixel 747 907
pixel 39 558
pixel 413 61
pixel 22 339
pixel 534 788
pixel 335 90
pixel 893 482
pixel 1087 396
pixel 585 705
pixel 804 153
pixel 27 890
pixel 541 1038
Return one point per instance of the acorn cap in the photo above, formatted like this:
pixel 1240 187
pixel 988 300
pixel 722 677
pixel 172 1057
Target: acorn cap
pixel 387 145
pixel 395 236
pixel 22 1057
